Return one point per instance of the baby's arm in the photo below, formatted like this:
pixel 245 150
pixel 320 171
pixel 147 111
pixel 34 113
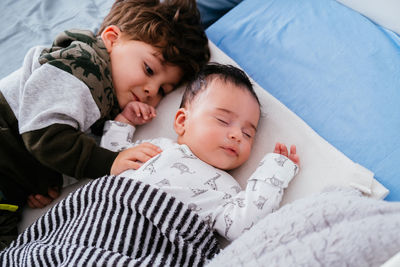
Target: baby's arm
pixel 117 136
pixel 262 195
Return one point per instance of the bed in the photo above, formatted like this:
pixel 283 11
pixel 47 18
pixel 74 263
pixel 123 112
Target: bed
pixel 295 76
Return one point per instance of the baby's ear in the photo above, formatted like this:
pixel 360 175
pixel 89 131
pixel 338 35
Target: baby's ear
pixel 110 35
pixel 179 122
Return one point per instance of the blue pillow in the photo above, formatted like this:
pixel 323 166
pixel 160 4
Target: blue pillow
pixel 330 65
pixel 212 10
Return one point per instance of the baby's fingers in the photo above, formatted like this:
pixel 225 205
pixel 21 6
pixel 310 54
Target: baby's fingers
pixel 281 149
pixel 293 156
pixel 292 149
pixel 295 159
pixel 277 148
pixel 284 150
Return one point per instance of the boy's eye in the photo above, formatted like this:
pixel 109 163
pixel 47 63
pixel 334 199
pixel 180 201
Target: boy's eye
pixel 161 91
pixel 148 70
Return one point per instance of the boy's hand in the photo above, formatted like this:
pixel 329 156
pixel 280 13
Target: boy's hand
pixel 136 113
pixel 134 157
pixel 282 149
pixel 39 201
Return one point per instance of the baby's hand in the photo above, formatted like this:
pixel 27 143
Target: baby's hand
pixel 282 149
pixel 134 157
pixel 136 113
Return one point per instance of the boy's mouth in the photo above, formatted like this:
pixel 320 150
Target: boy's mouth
pixel 135 98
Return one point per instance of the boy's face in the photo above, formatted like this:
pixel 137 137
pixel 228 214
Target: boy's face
pixel 219 125
pixel 138 70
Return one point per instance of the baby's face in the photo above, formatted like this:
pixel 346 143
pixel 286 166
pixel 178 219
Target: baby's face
pixel 221 124
pixel 139 73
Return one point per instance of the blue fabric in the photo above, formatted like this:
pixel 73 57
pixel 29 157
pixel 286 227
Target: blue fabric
pixel 330 65
pixel 26 23
pixel 212 10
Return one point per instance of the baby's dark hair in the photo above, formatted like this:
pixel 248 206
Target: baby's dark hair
pixel 212 71
pixel 173 26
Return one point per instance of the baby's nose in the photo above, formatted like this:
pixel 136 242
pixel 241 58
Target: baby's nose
pixel 235 134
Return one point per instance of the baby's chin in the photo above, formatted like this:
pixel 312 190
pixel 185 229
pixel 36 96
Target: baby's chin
pixel 218 160
pixel 226 166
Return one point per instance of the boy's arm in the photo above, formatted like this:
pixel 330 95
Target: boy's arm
pixel 69 151
pixel 262 196
pixel 54 112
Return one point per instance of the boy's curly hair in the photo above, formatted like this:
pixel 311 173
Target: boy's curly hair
pixel 173 26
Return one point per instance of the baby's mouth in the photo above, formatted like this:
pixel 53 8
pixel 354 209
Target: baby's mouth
pixel 231 151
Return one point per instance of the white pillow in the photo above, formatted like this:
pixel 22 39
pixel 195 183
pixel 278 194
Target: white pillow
pixel 320 163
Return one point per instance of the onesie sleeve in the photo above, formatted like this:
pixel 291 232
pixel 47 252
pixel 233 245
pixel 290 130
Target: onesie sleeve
pixel 117 136
pixel 262 196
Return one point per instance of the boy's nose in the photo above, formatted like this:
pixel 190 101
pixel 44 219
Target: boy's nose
pixel 150 90
pixel 151 96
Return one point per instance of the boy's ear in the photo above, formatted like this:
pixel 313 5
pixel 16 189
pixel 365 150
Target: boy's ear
pixel 179 122
pixel 110 35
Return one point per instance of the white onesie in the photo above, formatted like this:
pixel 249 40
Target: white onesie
pixel 212 193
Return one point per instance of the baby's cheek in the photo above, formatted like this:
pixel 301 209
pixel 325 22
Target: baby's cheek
pixel 247 152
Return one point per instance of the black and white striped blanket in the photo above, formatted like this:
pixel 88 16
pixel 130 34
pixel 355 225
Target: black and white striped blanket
pixel 115 222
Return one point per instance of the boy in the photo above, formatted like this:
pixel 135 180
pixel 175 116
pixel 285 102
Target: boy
pixel 143 50
pixel 216 125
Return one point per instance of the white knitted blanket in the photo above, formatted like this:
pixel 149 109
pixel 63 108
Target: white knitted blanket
pixel 115 222
pixel 338 227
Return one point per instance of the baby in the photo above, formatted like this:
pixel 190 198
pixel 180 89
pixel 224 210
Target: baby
pixel 216 125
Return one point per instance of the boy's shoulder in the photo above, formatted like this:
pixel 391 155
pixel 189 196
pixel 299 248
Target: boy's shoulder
pixel 31 57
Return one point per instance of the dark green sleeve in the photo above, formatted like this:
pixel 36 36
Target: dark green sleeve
pixel 69 151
